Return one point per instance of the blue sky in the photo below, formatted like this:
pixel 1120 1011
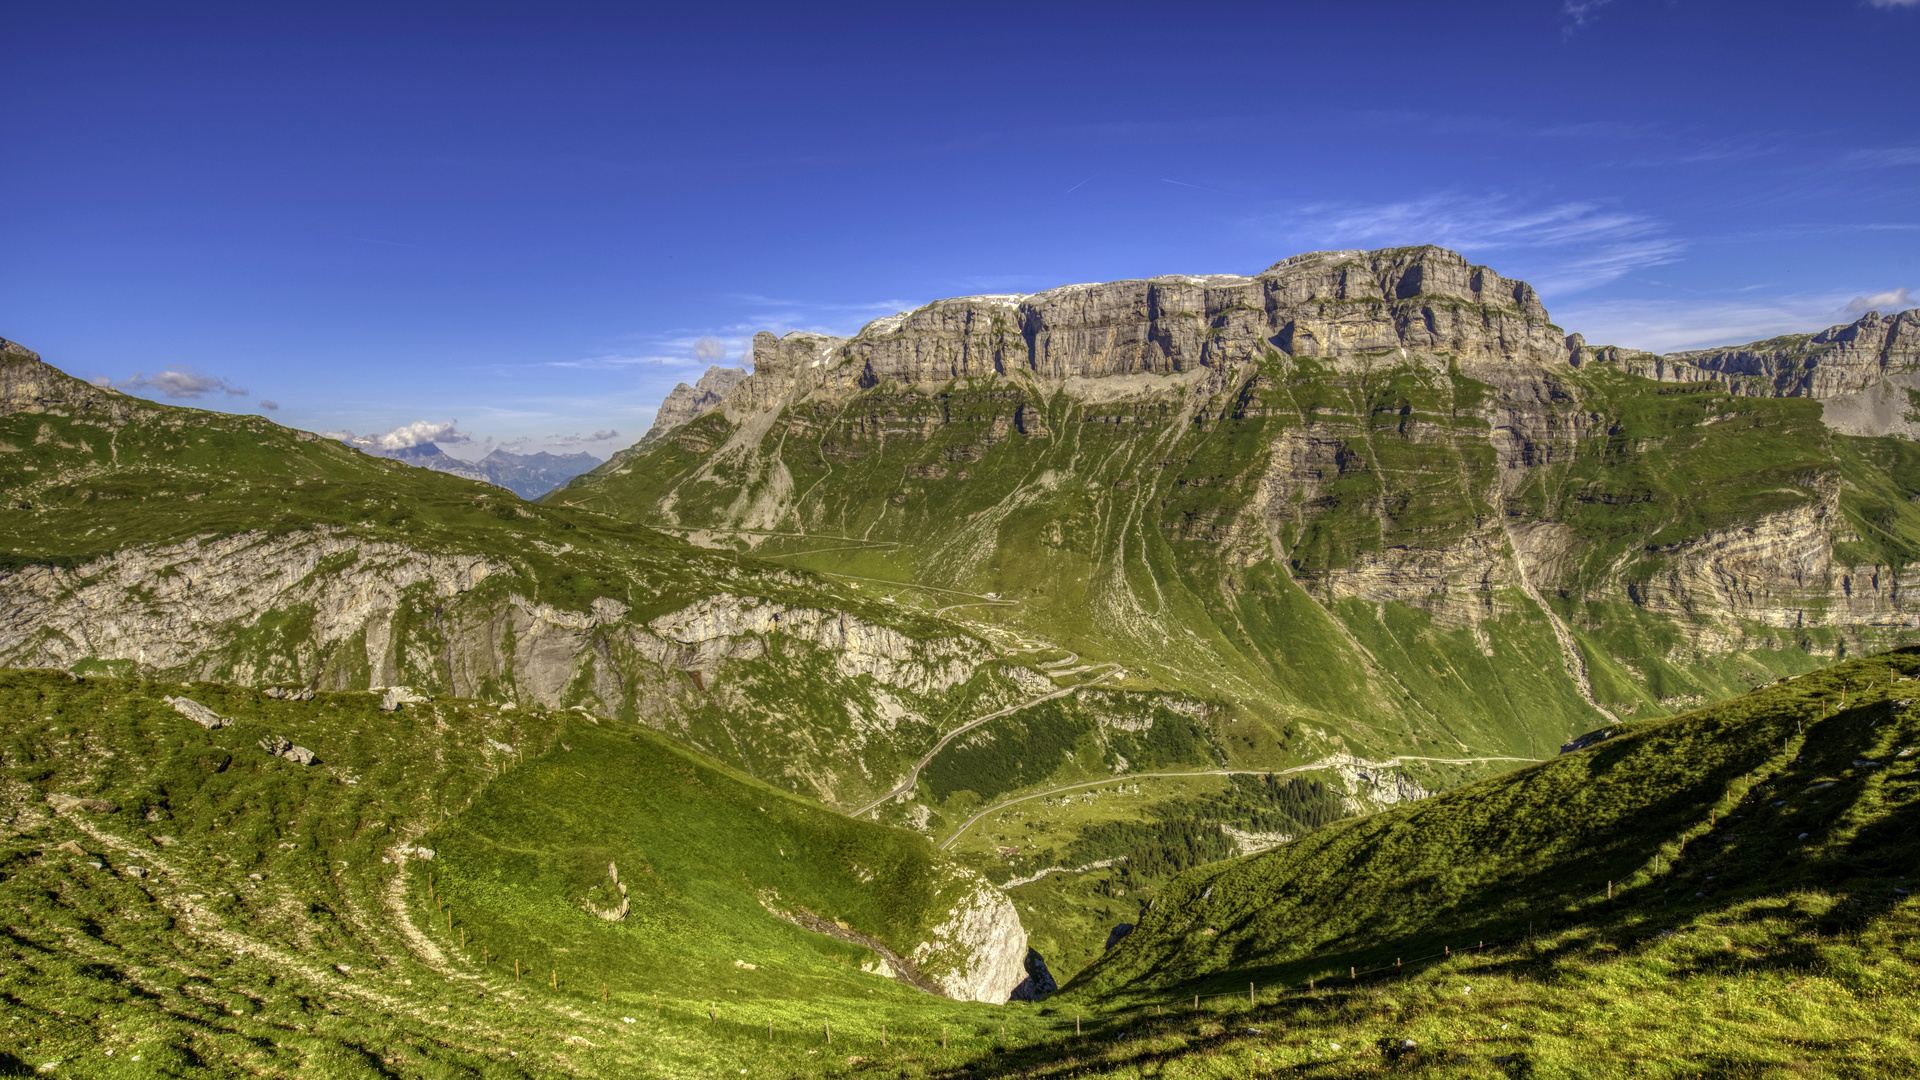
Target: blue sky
pixel 526 218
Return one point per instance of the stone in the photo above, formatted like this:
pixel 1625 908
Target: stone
pixel 197 712
pixel 393 697
pixel 284 748
pixel 66 803
pixel 282 693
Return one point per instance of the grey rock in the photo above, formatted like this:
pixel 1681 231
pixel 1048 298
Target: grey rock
pixel 197 712
pixel 289 693
pixel 65 803
pixel 284 748
pixel 393 697
pixel 686 403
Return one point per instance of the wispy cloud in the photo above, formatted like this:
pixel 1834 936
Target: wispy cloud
pixel 269 405
pixel 1883 156
pixel 575 439
pixel 1579 13
pixel 1889 4
pixel 1579 244
pixel 1705 322
pixel 176 381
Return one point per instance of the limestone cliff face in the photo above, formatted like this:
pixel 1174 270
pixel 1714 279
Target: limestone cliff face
pixel 685 402
pixel 1836 361
pixel 1341 305
pixel 978 951
pixel 329 609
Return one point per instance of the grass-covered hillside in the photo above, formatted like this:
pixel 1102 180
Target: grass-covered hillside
pixel 206 909
pixel 1376 549
pixel 197 907
pixel 1760 855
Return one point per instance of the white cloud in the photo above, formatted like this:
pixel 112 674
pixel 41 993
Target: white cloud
pixel 1891 300
pixel 269 405
pixel 180 381
pixel 415 434
pixel 1890 4
pixel 578 439
pixel 1674 325
pixel 1578 244
pixel 1579 14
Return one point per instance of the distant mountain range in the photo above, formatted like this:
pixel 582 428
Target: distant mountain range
pixel 526 475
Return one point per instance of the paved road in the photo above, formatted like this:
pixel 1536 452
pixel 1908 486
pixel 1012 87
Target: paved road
pixel 957 833
pixel 914 776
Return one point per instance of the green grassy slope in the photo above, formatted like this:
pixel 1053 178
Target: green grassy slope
pixel 237 914
pixel 1655 811
pixel 1761 853
pixel 1198 539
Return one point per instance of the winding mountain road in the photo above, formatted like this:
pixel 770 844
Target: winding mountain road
pixel 964 826
pixel 913 777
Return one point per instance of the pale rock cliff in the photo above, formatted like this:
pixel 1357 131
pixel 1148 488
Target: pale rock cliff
pixel 685 402
pixel 978 951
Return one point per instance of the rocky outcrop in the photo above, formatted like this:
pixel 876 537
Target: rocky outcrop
pixel 686 403
pixel 197 712
pixel 173 607
pixel 67 803
pixel 978 951
pixel 28 384
pixel 1339 305
pixel 724 627
pixel 281 747
pixel 1865 372
pixel 616 912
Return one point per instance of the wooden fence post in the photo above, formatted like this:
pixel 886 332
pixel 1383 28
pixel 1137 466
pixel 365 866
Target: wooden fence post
pixel 1353 974
pixel 829 1027
pixel 516 969
pixel 556 978
pixel 1250 1000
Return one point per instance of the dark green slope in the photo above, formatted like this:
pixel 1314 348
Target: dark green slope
pixel 1782 791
